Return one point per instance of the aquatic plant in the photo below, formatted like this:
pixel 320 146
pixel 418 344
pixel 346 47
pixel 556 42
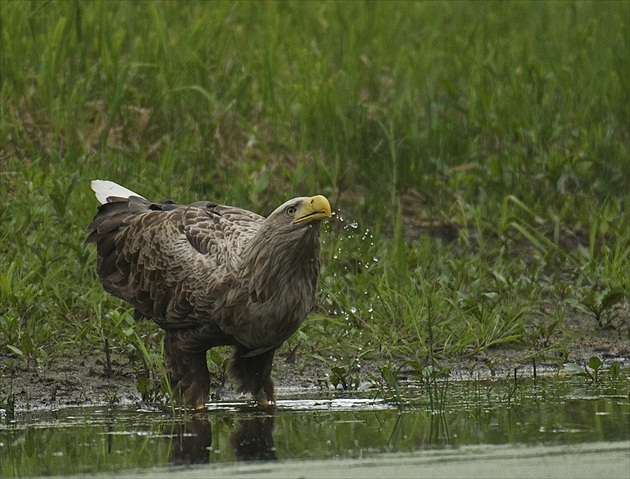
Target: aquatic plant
pixel 594 368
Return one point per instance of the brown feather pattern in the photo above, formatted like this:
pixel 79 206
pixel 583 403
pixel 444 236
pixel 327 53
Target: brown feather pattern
pixel 212 275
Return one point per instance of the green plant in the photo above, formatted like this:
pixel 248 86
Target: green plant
pixel 435 382
pixel 615 370
pixel 591 371
pixel 389 382
pixel 602 304
pixel 344 372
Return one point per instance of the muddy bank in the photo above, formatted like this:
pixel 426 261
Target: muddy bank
pixel 82 381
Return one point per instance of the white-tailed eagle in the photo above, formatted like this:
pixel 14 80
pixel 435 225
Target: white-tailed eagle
pixel 211 275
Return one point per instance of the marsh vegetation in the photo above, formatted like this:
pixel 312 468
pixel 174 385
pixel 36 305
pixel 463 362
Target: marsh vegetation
pixel 476 155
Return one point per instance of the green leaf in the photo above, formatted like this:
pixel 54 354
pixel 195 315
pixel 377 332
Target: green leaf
pixel 578 368
pixel 15 350
pixel 615 370
pixel 594 363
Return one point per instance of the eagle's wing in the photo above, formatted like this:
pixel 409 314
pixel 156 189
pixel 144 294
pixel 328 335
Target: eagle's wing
pixel 170 261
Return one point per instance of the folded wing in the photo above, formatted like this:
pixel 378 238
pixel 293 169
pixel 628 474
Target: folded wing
pixel 168 260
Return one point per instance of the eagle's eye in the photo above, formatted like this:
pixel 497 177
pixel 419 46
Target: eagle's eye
pixel 291 210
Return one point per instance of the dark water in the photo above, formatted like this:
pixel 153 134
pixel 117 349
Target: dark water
pixel 550 411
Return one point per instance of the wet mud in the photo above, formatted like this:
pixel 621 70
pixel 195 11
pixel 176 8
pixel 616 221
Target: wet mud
pixel 83 381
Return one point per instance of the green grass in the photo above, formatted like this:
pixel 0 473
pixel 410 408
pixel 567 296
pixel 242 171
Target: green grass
pixel 506 123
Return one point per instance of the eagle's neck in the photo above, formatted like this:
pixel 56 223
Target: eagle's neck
pixel 284 267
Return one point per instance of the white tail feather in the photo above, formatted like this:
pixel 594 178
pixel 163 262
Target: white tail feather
pixel 104 189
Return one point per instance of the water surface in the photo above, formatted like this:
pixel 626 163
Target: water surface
pixel 553 412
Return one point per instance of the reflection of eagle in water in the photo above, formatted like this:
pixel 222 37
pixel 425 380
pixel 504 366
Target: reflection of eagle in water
pixel 211 275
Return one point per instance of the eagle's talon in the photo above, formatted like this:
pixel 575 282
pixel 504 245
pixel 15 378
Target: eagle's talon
pixel 266 403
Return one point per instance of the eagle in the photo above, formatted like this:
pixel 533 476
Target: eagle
pixel 211 275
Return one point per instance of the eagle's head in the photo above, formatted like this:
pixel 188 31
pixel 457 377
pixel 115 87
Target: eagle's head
pixel 298 213
pixel 283 256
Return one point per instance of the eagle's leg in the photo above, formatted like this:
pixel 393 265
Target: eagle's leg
pixel 187 371
pixel 253 375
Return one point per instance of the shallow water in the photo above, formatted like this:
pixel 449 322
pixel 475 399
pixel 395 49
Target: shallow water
pixel 552 412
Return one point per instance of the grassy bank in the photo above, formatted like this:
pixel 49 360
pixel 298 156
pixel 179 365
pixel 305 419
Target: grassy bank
pixel 476 153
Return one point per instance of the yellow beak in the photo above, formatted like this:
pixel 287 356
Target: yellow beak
pixel 315 208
